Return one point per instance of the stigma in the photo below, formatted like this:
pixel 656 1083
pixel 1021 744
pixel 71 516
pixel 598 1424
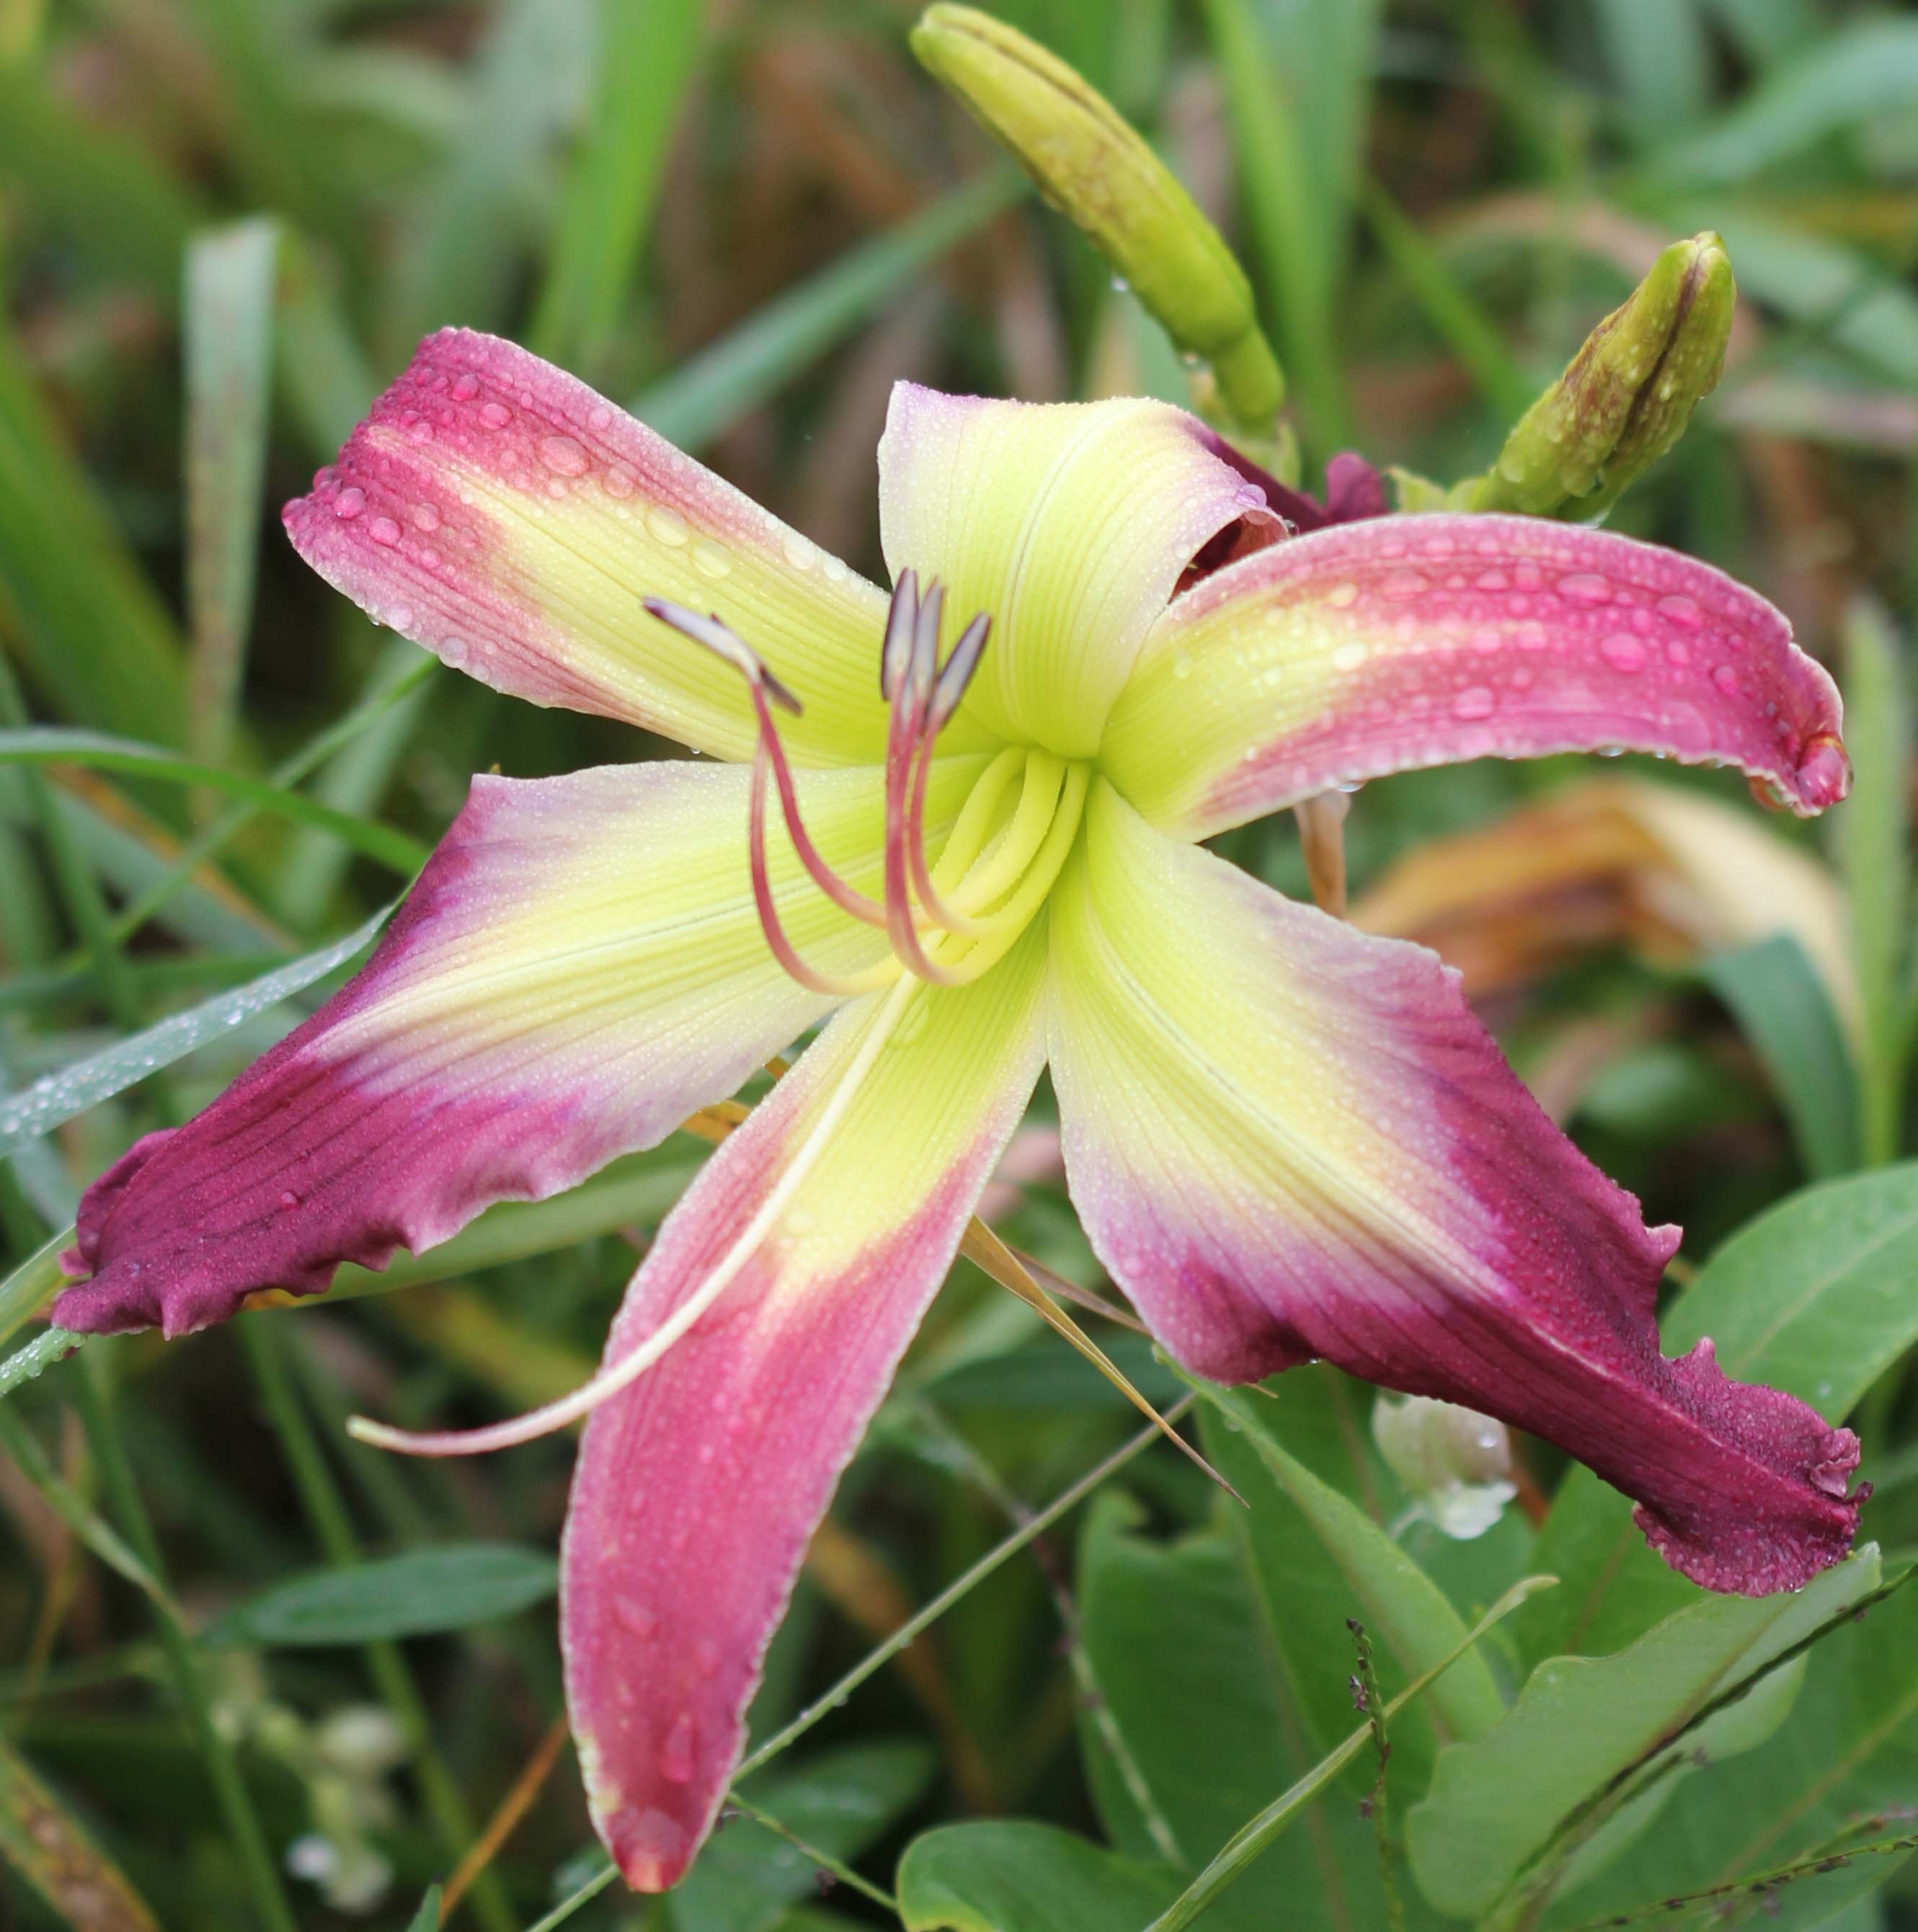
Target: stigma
pixel 947 921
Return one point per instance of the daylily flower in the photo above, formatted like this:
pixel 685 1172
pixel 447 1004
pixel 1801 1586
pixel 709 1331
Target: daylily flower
pixel 1286 1139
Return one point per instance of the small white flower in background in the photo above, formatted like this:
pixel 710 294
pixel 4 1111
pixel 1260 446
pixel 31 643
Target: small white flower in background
pixel 1456 1463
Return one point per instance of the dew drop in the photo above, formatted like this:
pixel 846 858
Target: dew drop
pixel 495 415
pixel 1476 701
pixel 400 617
pixel 632 1615
pixel 420 430
pixel 600 418
pixel 711 559
pixel 797 552
pixel 1182 664
pixel 289 1199
pixel 1401 584
pixel 1494 579
pixel 350 501
pixel 1726 678
pixel 563 456
pixel 835 571
pixel 1341 596
pixel 618 481
pixel 1681 610
pixel 1676 650
pixel 1584 586
pixel 676 1759
pixel 1349 657
pixel 1623 651
pixel 465 388
pixel 384 531
pixel 425 517
pixel 668 526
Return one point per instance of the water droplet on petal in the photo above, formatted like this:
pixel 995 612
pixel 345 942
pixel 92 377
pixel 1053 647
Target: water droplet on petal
pixel 1348 658
pixel 495 415
pixel 618 481
pixel 632 1615
pixel 384 530
pixel 797 552
pixel 668 526
pixel 676 1759
pixel 1584 586
pixel 1182 664
pixel 1476 701
pixel 1623 651
pixel 1401 584
pixel 425 517
pixel 350 501
pixel 465 388
pixel 711 559
pixel 563 456
pixel 1341 596
pixel 1681 610
pixel 1726 678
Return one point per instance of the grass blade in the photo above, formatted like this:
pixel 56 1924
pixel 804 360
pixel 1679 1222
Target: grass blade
pixel 647 54
pixel 228 329
pixel 739 372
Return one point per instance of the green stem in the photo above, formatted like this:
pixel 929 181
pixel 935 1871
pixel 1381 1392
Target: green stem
pixel 332 1524
pixel 826 1862
pixel 243 1826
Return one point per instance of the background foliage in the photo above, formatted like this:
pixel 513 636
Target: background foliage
pixel 234 1646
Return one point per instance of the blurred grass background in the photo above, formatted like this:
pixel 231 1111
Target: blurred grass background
pixel 223 225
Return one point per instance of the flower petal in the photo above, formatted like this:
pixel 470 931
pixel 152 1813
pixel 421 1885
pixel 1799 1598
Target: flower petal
pixel 1070 524
pixel 504 515
pixel 698 1487
pixel 1406 641
pixel 1286 1140
pixel 579 968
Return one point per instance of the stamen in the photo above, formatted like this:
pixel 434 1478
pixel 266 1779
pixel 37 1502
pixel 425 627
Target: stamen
pixel 833 985
pixel 762 685
pixel 620 1375
pixel 901 621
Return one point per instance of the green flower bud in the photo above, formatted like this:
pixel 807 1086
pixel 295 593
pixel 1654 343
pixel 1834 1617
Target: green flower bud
pixel 1090 164
pixel 1627 395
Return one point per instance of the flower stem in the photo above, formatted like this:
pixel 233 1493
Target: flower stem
pixel 222 1766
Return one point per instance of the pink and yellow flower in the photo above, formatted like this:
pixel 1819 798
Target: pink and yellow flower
pixel 1286 1139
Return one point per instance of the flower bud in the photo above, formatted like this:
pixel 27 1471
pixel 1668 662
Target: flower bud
pixel 1090 164
pixel 1456 1463
pixel 1626 396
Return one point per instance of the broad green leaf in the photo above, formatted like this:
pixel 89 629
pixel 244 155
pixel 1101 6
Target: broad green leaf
pixel 1872 833
pixel 398 850
pixel 707 395
pixel 1813 1297
pixel 1252 1841
pixel 227 326
pixel 451 1587
pixel 43 1841
pixel 1781 1007
pixel 59 1097
pixel 1181 1651
pixel 1848 1750
pixel 1496 1804
pixel 1868 68
pixel 1317 1558
pixel 645 62
pixel 1017 1876
pixel 840 1801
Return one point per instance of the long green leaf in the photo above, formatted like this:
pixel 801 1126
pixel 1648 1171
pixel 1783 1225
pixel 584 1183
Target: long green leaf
pixel 790 333
pixel 95 751
pixel 648 50
pixel 59 1097
pixel 1496 1804
pixel 1784 1011
pixel 1872 835
pixel 450 1588
pixel 227 321
pixel 1231 1863
pixel 95 636
pixel 43 1841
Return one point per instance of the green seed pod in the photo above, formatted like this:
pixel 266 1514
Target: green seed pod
pixel 1091 165
pixel 1626 396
